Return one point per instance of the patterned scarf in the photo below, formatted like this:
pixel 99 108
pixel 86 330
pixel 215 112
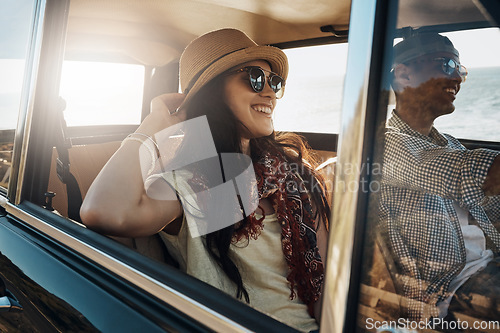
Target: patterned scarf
pixel 285 189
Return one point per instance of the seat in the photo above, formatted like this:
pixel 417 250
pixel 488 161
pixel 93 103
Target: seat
pixel 86 161
pixel 381 296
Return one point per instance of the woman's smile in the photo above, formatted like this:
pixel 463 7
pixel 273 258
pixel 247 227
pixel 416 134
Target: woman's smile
pixel 267 109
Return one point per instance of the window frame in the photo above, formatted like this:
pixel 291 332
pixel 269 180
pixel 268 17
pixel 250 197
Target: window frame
pixel 25 104
pixel 368 24
pixel 38 129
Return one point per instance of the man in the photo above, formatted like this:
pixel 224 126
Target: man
pixel 439 200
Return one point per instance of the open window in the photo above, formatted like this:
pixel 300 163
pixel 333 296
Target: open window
pixel 313 90
pixel 84 106
pixel 15 45
pixel 102 93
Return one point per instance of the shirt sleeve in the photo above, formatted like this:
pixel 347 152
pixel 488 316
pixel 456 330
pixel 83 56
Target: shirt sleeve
pixel 492 209
pixel 449 171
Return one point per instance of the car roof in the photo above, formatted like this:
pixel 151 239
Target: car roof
pixel 154 32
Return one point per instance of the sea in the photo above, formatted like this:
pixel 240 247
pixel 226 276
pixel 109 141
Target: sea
pixel 477 107
pixel 313 103
pixel 306 107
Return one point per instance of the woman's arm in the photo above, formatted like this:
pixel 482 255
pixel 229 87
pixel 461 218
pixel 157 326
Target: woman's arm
pixel 117 203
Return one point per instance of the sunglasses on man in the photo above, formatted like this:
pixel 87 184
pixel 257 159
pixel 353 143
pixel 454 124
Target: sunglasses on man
pixel 449 66
pixel 257 78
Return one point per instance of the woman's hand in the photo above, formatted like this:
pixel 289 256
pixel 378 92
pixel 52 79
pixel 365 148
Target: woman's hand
pixel 167 103
pixel 165 110
pixel 117 202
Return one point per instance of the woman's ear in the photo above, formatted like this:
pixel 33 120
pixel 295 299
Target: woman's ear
pixel 400 77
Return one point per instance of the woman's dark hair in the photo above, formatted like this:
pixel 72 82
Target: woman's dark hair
pixel 226 129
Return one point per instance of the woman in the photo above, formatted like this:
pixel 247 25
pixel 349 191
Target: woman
pixel 271 256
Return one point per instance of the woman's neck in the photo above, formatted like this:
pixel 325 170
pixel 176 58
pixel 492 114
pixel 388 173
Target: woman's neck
pixel 245 146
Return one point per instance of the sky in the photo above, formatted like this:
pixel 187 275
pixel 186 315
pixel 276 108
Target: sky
pixel 312 65
pixel 477 48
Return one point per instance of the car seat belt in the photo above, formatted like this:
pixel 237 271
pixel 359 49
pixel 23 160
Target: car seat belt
pixel 63 167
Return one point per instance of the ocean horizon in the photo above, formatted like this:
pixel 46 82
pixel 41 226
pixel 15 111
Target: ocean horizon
pixel 476 115
pixel 313 104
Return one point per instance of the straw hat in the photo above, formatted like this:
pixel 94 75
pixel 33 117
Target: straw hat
pixel 421 44
pixel 218 51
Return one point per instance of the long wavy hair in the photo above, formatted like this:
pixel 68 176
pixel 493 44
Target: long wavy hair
pixel 226 131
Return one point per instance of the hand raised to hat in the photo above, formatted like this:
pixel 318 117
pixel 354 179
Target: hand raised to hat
pixel 125 200
pixel 168 104
pixel 163 113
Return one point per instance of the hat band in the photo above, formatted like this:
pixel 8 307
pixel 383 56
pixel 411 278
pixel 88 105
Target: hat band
pixel 201 71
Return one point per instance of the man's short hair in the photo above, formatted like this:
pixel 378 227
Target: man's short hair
pixel 421 44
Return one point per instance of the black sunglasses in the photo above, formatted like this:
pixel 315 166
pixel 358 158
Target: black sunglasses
pixel 257 78
pixel 449 66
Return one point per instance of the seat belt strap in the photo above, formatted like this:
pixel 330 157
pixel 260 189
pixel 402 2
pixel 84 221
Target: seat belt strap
pixel 63 168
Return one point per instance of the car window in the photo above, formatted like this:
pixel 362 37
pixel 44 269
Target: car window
pixel 98 93
pixel 477 103
pixel 15 32
pixel 312 100
pixel 425 187
pixel 82 87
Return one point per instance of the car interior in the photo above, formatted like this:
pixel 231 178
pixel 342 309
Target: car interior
pixel 151 36
pixel 147 36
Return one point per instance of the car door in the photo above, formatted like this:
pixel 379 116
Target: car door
pixel 24 302
pixel 60 276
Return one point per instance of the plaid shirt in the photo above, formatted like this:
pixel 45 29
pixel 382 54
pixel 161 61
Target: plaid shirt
pixel 423 176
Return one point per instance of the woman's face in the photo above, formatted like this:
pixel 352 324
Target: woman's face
pixel 254 110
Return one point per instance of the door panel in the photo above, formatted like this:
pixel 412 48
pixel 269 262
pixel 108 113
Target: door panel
pixel 61 291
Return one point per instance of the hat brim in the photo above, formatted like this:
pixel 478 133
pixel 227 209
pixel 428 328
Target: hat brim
pixel 275 56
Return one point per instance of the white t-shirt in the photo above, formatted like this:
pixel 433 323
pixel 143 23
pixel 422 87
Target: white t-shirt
pixel 477 256
pixel 261 263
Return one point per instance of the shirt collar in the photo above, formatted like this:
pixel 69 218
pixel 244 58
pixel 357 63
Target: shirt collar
pixel 434 136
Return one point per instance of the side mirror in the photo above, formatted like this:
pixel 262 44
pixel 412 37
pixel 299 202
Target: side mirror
pixel 8 302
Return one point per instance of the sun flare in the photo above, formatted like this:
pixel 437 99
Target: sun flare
pixel 102 93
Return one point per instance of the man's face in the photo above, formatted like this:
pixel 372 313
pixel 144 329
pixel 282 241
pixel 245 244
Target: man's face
pixel 424 82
